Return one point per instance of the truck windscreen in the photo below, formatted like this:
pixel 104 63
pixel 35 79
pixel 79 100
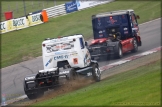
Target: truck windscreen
pixel 102 23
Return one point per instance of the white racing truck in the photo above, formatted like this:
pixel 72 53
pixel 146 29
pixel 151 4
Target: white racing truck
pixel 66 57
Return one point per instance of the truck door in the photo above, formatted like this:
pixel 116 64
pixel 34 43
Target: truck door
pixel 134 24
pixel 85 52
pixel 134 28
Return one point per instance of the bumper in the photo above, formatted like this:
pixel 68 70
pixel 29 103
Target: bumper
pixel 101 51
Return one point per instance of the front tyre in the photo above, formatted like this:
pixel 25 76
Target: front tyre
pixel 72 74
pixel 96 73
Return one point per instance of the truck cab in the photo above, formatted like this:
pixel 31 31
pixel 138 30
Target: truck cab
pixel 114 30
pixel 65 52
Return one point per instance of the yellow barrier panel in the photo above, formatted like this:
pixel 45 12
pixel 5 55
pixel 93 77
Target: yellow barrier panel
pixel 20 23
pixel 10 26
pixel 34 19
pixel 3 27
pixel 23 22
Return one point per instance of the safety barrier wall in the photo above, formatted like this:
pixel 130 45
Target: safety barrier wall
pixel 56 11
pixel 83 4
pixel 23 22
pixel 36 18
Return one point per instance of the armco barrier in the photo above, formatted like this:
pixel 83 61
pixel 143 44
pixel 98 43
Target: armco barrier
pixel 56 11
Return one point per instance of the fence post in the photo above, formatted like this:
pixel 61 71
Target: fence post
pixel 24 7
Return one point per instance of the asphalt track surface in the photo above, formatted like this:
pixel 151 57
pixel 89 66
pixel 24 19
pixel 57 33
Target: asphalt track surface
pixel 12 77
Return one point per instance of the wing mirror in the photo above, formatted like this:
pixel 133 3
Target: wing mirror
pixel 137 17
pixel 86 44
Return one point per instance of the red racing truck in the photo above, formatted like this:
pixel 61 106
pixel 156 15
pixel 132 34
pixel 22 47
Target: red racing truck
pixel 115 33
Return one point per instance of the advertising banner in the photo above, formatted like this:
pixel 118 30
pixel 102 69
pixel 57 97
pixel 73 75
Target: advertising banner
pixel 20 23
pixel 81 4
pixel 3 27
pixel 71 7
pixel 10 25
pixel 35 19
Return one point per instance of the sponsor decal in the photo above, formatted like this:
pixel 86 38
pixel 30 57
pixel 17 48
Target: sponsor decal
pixel 50 60
pixel 61 52
pixel 100 31
pixel 34 19
pixel 2 26
pixel 125 28
pixel 71 7
pixel 75 60
pixel 18 22
pixel 100 35
pixel 60 39
pixel 87 58
pixel 125 32
pixel 61 57
pixel 99 22
pixel 74 54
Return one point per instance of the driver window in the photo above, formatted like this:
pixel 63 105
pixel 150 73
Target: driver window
pixel 133 19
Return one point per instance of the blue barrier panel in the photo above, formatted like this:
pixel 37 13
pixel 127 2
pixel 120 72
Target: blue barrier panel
pixel 71 7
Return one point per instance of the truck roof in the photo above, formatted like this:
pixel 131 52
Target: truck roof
pixel 63 39
pixel 112 13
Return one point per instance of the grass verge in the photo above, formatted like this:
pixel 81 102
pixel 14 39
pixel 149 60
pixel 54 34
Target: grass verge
pixel 25 44
pixel 138 87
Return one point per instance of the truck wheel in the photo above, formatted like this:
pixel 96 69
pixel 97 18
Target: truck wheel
pixel 96 73
pixel 72 74
pixel 119 53
pixel 135 46
pixel 34 95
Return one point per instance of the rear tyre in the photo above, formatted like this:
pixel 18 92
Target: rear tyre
pixel 96 73
pixel 72 74
pixel 33 95
pixel 135 46
pixel 119 53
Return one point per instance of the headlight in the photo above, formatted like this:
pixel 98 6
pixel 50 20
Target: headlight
pixel 30 78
